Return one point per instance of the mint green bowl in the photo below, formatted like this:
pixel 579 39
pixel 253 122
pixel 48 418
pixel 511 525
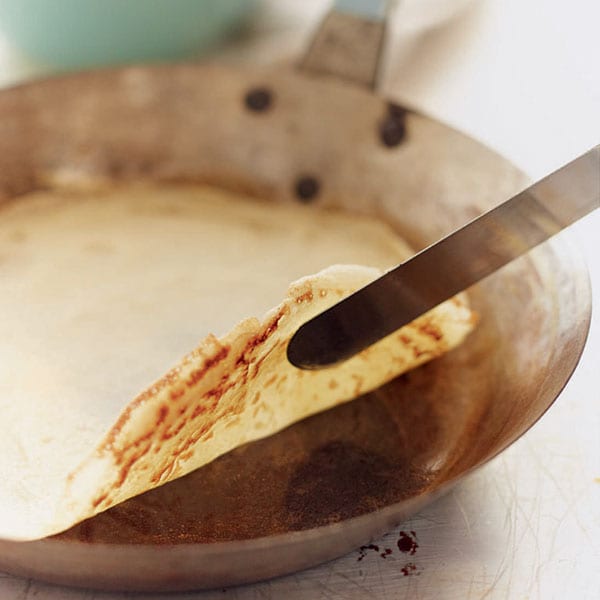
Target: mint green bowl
pixel 68 34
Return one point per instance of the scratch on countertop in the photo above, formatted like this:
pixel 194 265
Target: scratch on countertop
pixel 381 580
pixel 462 511
pixel 570 502
pixel 264 592
pixel 353 581
pixel 24 595
pixel 470 590
pixel 327 592
pixel 510 525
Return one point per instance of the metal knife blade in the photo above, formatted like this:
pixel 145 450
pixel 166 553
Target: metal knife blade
pixel 449 266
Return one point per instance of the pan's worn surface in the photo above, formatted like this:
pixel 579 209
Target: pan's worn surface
pixel 328 484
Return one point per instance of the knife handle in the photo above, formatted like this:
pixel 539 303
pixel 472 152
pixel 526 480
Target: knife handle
pixel 349 42
pixel 369 9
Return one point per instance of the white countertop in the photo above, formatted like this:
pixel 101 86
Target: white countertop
pixel 524 78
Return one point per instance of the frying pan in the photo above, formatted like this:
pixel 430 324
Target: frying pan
pixel 330 483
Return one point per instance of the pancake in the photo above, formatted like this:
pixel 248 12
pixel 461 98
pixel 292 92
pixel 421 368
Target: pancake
pixel 103 291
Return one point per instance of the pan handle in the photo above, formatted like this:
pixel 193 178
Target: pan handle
pixel 349 42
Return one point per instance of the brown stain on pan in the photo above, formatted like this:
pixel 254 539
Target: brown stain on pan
pixel 382 448
pixel 330 467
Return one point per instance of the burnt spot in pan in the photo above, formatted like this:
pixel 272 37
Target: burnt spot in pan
pixel 259 99
pixel 307 188
pixel 392 128
pixel 349 461
pixel 336 482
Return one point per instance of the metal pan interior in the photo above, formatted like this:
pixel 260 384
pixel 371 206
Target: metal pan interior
pixel 327 484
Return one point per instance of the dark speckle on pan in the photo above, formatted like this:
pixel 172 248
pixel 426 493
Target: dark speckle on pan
pixel 307 188
pixel 392 128
pixel 259 99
